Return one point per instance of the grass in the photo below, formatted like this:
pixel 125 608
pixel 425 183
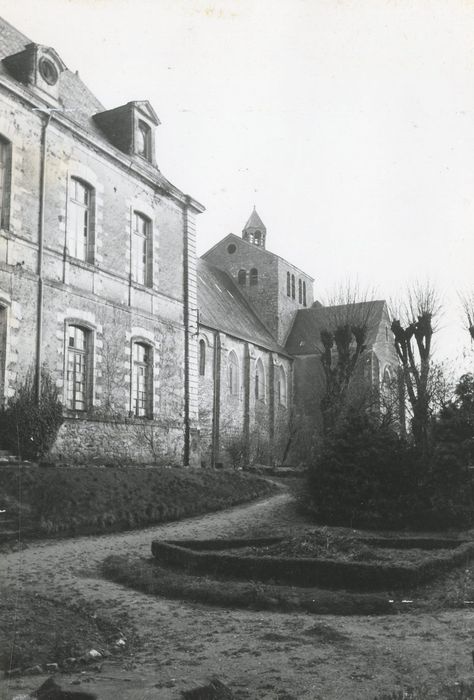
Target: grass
pixel 145 575
pixel 91 500
pixel 35 630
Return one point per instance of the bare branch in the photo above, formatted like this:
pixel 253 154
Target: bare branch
pixel 467 306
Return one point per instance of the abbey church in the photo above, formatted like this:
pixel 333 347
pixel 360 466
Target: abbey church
pixel 158 356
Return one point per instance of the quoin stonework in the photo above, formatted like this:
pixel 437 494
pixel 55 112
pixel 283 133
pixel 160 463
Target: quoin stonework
pixel 158 356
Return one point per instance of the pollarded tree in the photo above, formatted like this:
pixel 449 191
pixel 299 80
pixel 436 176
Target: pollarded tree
pixel 413 328
pixel 349 316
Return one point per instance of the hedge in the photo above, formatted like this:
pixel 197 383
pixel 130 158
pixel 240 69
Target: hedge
pixel 204 557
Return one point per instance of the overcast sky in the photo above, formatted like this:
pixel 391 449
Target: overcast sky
pixel 350 124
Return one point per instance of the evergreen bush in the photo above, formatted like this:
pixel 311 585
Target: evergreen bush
pixel 29 428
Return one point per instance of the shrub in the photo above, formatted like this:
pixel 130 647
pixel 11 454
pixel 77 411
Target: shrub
pixel 364 475
pixel 367 475
pixel 29 428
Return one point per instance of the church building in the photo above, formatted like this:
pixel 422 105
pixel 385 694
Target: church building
pixel 158 356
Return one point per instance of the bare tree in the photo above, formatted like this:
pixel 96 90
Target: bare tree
pixel 467 305
pixel 349 318
pixel 413 328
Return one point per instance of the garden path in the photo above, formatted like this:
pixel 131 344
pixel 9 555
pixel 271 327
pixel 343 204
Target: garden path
pixel 260 655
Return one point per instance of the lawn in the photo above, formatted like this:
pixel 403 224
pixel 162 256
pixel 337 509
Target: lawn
pixel 68 501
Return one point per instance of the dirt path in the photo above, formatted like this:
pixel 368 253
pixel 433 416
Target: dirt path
pixel 260 655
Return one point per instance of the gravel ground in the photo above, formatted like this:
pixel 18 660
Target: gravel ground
pixel 264 656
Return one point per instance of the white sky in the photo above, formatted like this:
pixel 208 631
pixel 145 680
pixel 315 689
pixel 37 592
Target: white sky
pixel 349 123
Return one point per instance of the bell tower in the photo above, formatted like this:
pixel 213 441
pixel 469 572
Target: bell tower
pixel 254 230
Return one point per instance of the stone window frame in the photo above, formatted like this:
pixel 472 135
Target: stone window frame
pixel 5 182
pixel 202 357
pixel 233 377
pixel 242 277
pixel 141 121
pixel 260 381
pixel 149 380
pixel 90 336
pixel 282 386
pixel 149 253
pixel 91 244
pixel 253 277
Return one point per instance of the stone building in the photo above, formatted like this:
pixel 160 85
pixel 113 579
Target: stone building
pixel 97 263
pixel 157 356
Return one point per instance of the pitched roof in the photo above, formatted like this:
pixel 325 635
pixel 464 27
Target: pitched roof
pixel 78 102
pixel 254 221
pixel 305 335
pixel 223 308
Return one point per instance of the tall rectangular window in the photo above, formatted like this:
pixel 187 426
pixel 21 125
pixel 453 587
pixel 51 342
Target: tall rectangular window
pixel 141 373
pixel 77 368
pixel 80 223
pixel 5 168
pixel 141 250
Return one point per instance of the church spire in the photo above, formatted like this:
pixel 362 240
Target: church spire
pixel 255 230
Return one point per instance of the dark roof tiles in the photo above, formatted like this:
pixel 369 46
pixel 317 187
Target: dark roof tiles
pixel 223 308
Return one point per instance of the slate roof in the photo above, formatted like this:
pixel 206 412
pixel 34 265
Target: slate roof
pixel 254 221
pixel 223 308
pixel 305 335
pixel 78 101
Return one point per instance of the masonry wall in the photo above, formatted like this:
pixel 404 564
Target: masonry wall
pixel 251 429
pixel 100 296
pixel 269 297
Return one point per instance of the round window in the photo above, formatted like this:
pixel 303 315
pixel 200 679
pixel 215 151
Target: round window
pixel 48 71
pixel 231 248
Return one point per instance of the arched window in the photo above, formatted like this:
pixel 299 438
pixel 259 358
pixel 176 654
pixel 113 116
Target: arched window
pixel 300 292
pixel 304 293
pixel 260 381
pixel 288 284
pixel 143 143
pixel 292 286
pixel 5 175
pixel 78 368
pixel 281 386
pixel 233 374
pixel 81 221
pixel 141 380
pixel 242 277
pixel 202 357
pixel 142 258
pixel 253 276
pixel 257 237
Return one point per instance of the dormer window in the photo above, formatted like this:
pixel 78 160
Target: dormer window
pixel 48 71
pixel 144 140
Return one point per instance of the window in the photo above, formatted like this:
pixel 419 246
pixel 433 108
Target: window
pixel 231 248
pixel 260 381
pixel 141 250
pixel 288 284
pixel 202 358
pixel 292 286
pixel 233 374
pixel 253 276
pixel 80 221
pixel 5 169
pixel 281 387
pixel 242 277
pixel 141 375
pixel 77 370
pixel 300 292
pixel 257 237
pixel 304 293
pixel 144 140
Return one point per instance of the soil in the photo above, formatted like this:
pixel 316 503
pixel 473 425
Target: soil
pixel 259 655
